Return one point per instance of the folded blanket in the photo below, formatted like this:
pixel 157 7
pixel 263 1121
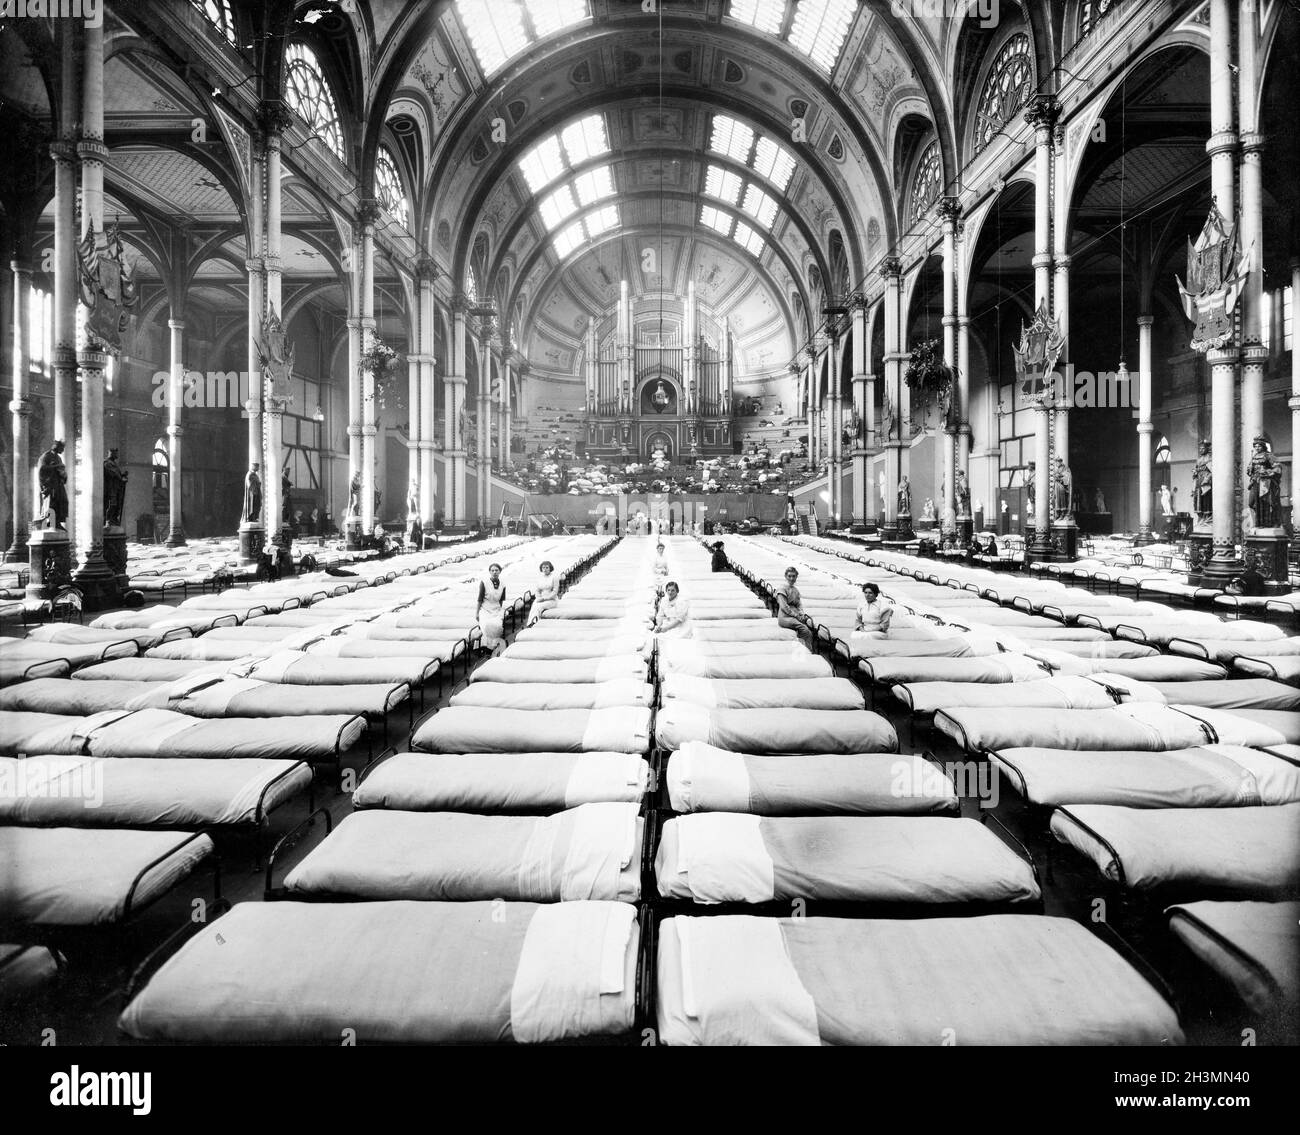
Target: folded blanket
pixel 502 782
pixel 467 729
pixel 588 852
pixel 702 778
pixel 713 857
pixel 774 730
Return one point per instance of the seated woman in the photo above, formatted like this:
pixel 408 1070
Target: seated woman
pixel 873 616
pixel 789 605
pixel 673 617
pixel 719 558
pixel 546 591
pixel 490 612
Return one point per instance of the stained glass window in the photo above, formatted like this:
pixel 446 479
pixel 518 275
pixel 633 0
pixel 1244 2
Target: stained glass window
pixel 1090 11
pixel 1009 84
pixel 220 16
pixel 388 186
pixel 309 97
pixel 927 182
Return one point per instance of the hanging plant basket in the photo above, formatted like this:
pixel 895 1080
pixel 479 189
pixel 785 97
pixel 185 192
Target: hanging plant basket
pixel 927 376
pixel 381 362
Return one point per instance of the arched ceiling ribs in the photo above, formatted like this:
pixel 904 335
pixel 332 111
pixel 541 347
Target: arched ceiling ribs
pixel 749 113
pixel 214 248
pixel 504 244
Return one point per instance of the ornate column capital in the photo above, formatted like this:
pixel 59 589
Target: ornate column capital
pixel 368 214
pixel 949 208
pixel 426 269
pixel 273 119
pixel 176 324
pixel 1041 112
pixel 891 268
pixel 1146 320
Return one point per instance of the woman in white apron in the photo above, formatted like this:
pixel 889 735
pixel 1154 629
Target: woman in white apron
pixel 673 618
pixel 546 591
pixel 490 612
pixel 872 618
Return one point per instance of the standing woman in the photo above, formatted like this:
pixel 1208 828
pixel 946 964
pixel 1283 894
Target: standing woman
pixel 789 605
pixel 490 612
pixel 546 592
pixel 873 617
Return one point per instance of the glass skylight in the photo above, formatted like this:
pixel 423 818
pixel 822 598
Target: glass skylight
pixel 543 163
pixel 568 239
pixel 573 236
pixel 762 15
pixel 723 184
pixel 732 138
pixel 715 219
pixel 748 239
pixel 499 30
pixel 759 206
pixel 557 206
pixel 551 16
pixel 593 185
pixel 602 220
pixel 819 29
pixel 773 162
pixel 585 139
pixel 576 143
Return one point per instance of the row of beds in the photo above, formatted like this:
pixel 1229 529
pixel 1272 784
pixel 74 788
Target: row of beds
pixel 1140 738
pixel 608 834
pixel 107 803
pixel 1152 571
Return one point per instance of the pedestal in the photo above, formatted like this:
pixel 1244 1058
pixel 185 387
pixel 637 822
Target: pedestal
pixel 115 554
pixel 49 562
pixel 252 539
pixel 1267 548
pixel 905 527
pixel 353 535
pixel 98 582
pixel 965 530
pixel 1065 542
pixel 1199 547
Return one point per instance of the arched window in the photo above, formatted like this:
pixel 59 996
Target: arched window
pixel 219 15
pixel 926 183
pixel 1090 11
pixel 388 185
pixel 1163 452
pixel 308 95
pixel 1008 86
pixel 161 463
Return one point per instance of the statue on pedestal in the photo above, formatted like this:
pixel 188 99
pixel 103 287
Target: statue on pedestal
pixel 52 476
pixel 354 495
pixel 1166 501
pixel 1031 488
pixel 927 509
pixel 114 490
pixel 286 505
pixel 253 494
pixel 904 497
pixel 414 527
pixel 963 494
pixel 1099 501
pixel 1064 488
pixel 1203 485
pixel 1265 477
